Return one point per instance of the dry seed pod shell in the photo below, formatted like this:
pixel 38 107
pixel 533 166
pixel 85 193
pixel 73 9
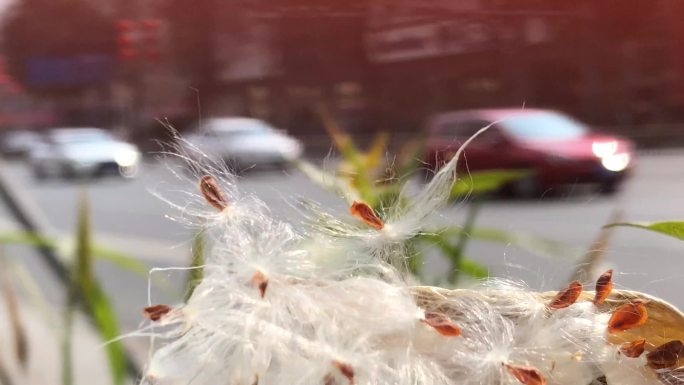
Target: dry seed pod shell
pixel 665 322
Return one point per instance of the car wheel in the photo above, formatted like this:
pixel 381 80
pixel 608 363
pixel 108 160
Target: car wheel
pixel 609 188
pixel 525 188
pixel 39 172
pixel 67 172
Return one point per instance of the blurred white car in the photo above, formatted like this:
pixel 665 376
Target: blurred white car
pixel 245 142
pixel 83 152
pixel 18 142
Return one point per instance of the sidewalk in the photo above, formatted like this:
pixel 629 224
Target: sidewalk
pixel 44 358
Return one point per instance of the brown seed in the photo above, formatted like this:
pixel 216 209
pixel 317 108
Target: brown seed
pixel 527 375
pixel 367 214
pixel 665 355
pixel 155 312
pixel 604 285
pixel 628 316
pixel 346 370
pixel 212 192
pixel 442 324
pixel 567 296
pixel 633 349
pixel 260 280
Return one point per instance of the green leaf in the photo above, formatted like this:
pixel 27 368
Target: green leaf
pixel 120 259
pixel 355 161
pixel 372 158
pixel 480 182
pixel 96 301
pixel 328 180
pixel 672 228
pixel 123 260
pixel 540 246
pixel 473 268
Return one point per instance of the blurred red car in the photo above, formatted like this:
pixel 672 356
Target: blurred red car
pixel 559 149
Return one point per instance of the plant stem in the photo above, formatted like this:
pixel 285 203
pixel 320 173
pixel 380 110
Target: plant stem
pixel 463 238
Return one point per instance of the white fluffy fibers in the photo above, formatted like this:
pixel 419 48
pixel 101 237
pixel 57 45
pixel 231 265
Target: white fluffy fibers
pixel 273 309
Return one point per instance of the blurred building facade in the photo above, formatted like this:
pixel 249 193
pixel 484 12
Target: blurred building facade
pixel 380 64
pixel 388 64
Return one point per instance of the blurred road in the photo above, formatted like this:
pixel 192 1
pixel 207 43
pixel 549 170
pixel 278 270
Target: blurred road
pixel 127 217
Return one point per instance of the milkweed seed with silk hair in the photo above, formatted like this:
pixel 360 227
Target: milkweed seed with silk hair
pixel 324 299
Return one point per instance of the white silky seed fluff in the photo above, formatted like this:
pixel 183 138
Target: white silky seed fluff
pixel 337 293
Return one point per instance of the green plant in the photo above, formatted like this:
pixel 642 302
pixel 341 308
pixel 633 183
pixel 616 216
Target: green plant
pixel 673 228
pixel 365 176
pixel 83 292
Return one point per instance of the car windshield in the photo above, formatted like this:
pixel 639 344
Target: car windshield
pixel 81 137
pixel 543 125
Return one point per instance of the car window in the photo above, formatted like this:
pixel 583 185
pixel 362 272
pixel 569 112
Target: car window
pixel 543 125
pixel 240 132
pixel 81 137
pixel 237 127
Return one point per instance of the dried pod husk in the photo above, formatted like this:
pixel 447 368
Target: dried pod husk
pixel 633 349
pixel 567 296
pixel 604 285
pixel 527 375
pixel 366 213
pixel 664 320
pixel 672 377
pixel 156 312
pixel 666 355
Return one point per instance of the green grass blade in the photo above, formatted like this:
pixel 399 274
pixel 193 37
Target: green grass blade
pixel 26 238
pixel 480 182
pixel 587 268
pixel 12 308
pixel 96 301
pixel 196 273
pixel 67 333
pixel 108 327
pixel 673 229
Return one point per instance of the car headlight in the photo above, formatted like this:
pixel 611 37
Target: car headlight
pixel 616 162
pixel 291 151
pixel 604 149
pixel 127 158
